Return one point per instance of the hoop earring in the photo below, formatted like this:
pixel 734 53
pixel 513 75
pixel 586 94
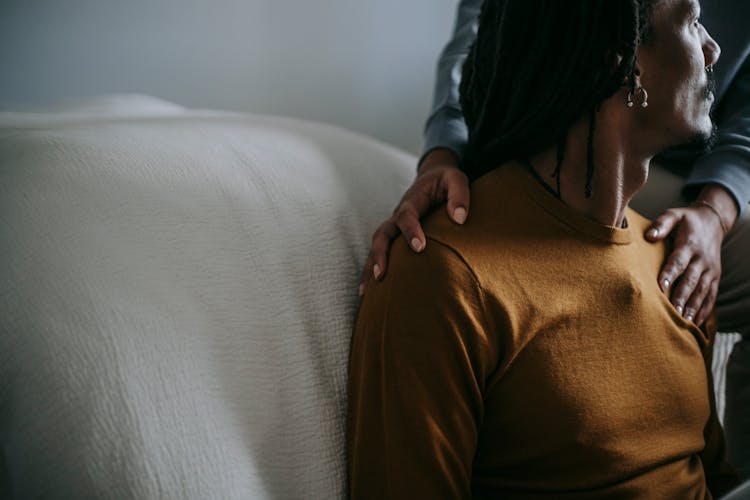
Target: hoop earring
pixel 644 97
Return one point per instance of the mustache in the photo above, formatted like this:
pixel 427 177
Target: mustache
pixel 710 88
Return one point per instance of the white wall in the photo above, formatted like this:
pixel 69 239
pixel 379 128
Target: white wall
pixel 363 64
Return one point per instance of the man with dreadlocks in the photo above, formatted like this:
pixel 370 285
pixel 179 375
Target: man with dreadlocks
pixel 530 353
pixel 709 232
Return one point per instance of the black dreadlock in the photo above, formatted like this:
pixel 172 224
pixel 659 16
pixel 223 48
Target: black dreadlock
pixel 537 66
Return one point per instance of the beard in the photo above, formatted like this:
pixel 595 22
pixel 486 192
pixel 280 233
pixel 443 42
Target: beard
pixel 703 142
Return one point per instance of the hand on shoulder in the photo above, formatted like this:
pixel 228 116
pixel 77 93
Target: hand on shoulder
pixel 438 180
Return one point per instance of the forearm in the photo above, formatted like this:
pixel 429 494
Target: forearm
pixel 721 202
pixel 445 128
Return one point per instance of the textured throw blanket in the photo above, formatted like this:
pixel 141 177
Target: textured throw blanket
pixel 177 294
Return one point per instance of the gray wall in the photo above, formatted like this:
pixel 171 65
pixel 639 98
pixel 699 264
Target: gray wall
pixel 367 65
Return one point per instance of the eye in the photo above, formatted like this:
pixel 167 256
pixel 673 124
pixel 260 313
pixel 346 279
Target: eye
pixel 697 23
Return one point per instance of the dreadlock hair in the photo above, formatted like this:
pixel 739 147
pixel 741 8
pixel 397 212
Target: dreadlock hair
pixel 538 66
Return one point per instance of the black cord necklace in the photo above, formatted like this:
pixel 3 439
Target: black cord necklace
pixel 527 163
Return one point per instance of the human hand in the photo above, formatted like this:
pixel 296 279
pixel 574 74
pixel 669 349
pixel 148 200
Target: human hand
pixel 438 179
pixel 694 266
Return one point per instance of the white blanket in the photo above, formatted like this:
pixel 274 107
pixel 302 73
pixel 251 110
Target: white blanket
pixel 177 293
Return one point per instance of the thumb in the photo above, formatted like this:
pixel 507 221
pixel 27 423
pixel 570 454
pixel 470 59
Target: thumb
pixel 663 225
pixel 457 187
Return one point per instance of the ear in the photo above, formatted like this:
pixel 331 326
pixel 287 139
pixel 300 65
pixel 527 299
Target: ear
pixel 634 81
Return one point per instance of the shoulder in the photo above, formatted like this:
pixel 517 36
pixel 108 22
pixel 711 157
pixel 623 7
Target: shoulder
pixel 439 272
pixel 500 215
pixel 428 299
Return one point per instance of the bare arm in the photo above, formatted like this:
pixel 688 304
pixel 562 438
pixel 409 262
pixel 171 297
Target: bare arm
pixel 438 178
pixel 694 266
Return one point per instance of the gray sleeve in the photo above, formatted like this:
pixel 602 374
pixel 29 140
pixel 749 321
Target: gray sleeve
pixel 446 127
pixel 728 163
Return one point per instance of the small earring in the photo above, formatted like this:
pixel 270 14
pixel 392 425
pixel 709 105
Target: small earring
pixel 644 97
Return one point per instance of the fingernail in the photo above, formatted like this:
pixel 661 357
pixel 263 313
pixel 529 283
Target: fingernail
pixel 653 233
pixel 664 285
pixel 361 289
pixel 416 244
pixel 689 317
pixel 459 215
pixel 376 271
pixel 679 309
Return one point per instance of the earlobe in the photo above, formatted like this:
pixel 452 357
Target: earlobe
pixel 633 80
pixel 635 89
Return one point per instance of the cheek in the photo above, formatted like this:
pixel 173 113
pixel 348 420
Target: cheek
pixel 677 83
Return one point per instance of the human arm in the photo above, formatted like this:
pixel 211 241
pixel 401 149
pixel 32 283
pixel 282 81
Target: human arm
pixel 694 265
pixel 419 357
pixel 438 176
pixel 720 179
pixel 439 179
pixel 445 127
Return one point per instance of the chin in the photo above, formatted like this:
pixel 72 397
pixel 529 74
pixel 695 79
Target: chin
pixel 704 139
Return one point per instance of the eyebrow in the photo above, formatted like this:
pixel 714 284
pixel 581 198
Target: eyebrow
pixel 691 7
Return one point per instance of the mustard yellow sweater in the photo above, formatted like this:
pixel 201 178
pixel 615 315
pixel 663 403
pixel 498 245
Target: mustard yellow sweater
pixel 529 354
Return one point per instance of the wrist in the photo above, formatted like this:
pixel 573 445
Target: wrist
pixel 438 157
pixel 720 201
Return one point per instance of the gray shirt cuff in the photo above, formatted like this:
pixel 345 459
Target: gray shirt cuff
pixel 445 129
pixel 729 169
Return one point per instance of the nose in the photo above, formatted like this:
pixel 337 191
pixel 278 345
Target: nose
pixel 711 50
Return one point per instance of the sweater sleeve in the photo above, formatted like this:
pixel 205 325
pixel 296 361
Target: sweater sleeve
pixel 728 163
pixel 445 126
pixel 419 358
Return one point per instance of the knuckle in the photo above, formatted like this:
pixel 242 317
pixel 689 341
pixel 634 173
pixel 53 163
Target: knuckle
pixel 379 245
pixel 683 260
pixel 691 281
pixel 701 284
pixel 698 298
pixel 455 176
pixel 399 211
pixel 407 222
pixel 405 211
pixel 669 213
pixel 693 244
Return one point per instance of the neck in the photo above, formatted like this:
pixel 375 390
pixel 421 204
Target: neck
pixel 619 172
